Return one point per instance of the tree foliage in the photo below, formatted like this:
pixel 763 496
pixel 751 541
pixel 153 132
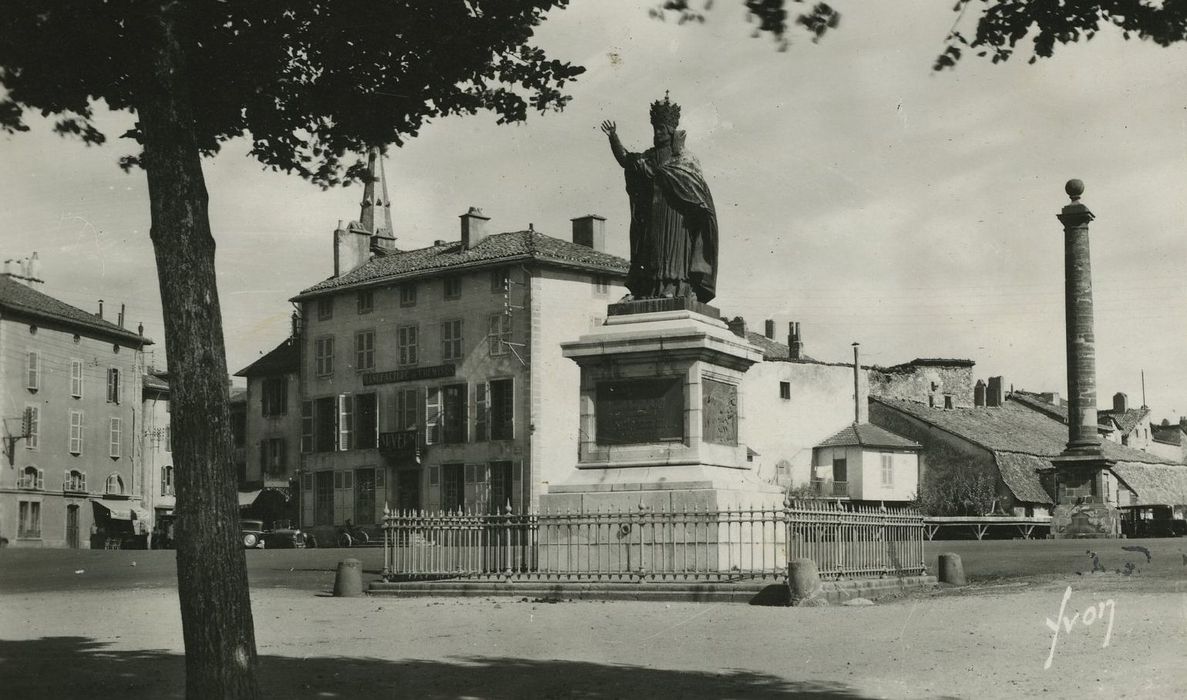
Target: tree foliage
pixel 960 490
pixel 312 83
pixel 770 17
pixel 1001 25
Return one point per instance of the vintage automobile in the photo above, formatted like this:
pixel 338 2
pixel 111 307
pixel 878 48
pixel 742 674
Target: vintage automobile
pixel 281 536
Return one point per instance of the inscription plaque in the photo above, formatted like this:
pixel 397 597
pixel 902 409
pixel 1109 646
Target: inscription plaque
pixel 640 411
pixel 719 412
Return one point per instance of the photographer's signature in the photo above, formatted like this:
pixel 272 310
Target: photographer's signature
pixel 1089 616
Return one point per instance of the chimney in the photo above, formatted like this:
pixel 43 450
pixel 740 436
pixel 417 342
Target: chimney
pixel 121 317
pixel 590 231
pixel 979 394
pixel 34 271
pixel 352 247
pixel 995 395
pixel 795 346
pixel 473 227
pixel 1083 437
pixel 769 331
pixel 100 308
pixel 1120 402
pixel 737 326
pixel 1051 397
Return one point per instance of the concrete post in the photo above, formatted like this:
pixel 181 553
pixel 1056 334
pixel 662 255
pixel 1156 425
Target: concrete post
pixel 803 579
pixel 950 569
pixel 348 582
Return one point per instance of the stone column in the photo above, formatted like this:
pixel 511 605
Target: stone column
pixel 1081 342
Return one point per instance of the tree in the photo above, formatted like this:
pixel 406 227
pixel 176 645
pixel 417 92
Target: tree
pixel 313 84
pixel 1002 24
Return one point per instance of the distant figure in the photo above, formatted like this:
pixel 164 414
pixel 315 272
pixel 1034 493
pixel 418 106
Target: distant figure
pixel 673 221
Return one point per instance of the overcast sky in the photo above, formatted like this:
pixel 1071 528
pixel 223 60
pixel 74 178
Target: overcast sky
pixel 857 192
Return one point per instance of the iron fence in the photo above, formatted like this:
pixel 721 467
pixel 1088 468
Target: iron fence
pixel 643 544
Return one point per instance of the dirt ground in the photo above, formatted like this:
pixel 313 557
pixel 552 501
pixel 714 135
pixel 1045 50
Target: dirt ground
pixel 989 640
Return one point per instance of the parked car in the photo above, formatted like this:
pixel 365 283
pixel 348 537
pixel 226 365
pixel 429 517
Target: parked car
pixel 280 536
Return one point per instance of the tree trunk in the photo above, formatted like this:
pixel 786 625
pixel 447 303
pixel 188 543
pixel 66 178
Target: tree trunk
pixel 211 567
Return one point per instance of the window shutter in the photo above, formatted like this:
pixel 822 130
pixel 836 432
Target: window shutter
pixel 482 411
pixel 263 455
pixel 345 422
pixel 66 485
pixel 34 371
pixel 432 414
pixel 41 478
pixel 306 427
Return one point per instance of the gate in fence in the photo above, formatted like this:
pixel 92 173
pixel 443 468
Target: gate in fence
pixel 845 541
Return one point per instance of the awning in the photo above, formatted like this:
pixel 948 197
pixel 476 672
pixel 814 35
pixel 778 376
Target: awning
pixel 116 510
pixel 246 498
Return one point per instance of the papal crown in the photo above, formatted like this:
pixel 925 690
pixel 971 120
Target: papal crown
pixel 665 113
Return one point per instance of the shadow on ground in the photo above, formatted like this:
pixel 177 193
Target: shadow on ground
pixel 81 667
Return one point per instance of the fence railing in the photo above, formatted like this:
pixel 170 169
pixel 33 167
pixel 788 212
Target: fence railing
pixel 845 540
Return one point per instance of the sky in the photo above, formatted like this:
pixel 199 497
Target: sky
pixel 858 192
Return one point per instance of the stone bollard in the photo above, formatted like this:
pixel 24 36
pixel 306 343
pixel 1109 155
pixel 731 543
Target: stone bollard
pixel 803 580
pixel 349 580
pixel 950 570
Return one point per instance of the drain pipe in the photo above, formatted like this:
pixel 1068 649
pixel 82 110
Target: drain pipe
pixel 856 385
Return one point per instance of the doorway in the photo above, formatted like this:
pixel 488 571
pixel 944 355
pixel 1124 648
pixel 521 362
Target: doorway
pixel 72 527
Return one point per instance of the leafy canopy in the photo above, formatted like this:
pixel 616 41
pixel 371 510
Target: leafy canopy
pixel 309 81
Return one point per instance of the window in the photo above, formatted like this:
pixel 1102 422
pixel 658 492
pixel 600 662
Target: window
pixel 32 478
pixel 323 498
pixel 500 486
pixel 76 378
pixel 407 342
pixel 453 413
pixel 364 350
pixel 451 340
pixel 785 390
pixel 453 486
pixel 76 432
pixel 325 414
pixel 345 422
pixel 367 428
pixel 432 415
pixel 306 427
pixel 325 308
pixel 407 402
pixel 29 526
pixel 272 456
pixel 115 437
pixel 887 469
pixel 499 335
pixel 167 480
pixel 32 427
pixel 500 280
pixel 274 397
pixel 481 412
pixel 75 481
pixel 324 355
pixel 113 385
pixel 366 301
pixel 601 285
pixel 115 484
pixel 408 294
pixel 502 410
pixel 33 371
pixel 453 287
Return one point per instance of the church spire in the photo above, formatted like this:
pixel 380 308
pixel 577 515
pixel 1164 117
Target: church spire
pixel 376 217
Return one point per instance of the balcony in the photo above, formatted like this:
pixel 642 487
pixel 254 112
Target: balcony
pixel 827 488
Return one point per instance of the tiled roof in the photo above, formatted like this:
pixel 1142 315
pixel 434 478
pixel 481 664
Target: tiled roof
pixel 929 362
pixel 23 299
pixel 774 350
pixel 282 359
pixel 1169 434
pixel 492 250
pixel 1035 401
pixel 1009 428
pixel 156 382
pixel 1020 473
pixel 1126 420
pixel 868 435
pixel 1154 484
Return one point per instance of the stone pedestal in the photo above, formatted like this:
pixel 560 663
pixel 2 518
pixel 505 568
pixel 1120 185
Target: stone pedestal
pixel 661 414
pixel 1080 511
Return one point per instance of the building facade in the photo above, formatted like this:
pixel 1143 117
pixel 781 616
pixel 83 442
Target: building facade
pixel 432 379
pixel 70 396
pixel 156 447
pixel 271 433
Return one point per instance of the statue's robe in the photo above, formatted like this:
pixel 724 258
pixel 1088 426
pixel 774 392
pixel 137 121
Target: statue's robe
pixel 673 228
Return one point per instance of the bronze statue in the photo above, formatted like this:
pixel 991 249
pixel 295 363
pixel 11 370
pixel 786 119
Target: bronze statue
pixel 673 222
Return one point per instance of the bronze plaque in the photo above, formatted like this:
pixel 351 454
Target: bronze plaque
pixel 640 411
pixel 719 410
